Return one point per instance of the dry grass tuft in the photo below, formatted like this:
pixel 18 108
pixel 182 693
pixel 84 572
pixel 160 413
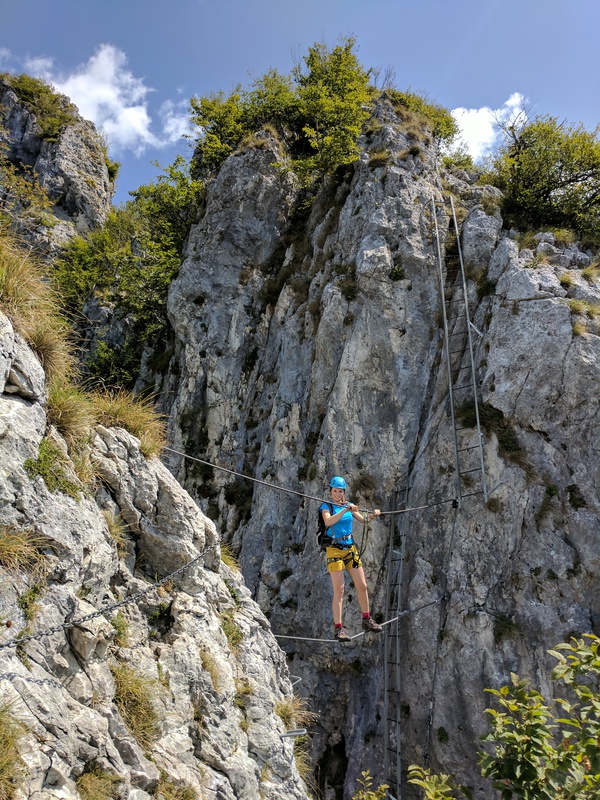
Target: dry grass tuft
pixel 209 663
pixel 134 697
pixel 12 767
pixel 117 529
pixel 20 550
pixel 169 790
pixel 32 306
pixel 293 712
pixel 135 414
pixel 96 784
pixel 591 273
pixel 70 410
pixel 228 557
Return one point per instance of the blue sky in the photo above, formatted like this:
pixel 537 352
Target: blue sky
pixel 132 65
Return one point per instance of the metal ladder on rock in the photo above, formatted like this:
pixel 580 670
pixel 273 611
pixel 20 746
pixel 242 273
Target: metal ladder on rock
pixel 470 480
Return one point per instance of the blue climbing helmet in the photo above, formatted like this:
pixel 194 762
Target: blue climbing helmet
pixel 337 483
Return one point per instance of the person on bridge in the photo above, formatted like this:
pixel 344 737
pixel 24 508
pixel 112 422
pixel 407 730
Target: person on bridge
pixel 343 555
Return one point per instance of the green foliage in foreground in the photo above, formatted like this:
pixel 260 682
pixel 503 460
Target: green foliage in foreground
pixel 366 791
pixel 539 751
pixel 549 172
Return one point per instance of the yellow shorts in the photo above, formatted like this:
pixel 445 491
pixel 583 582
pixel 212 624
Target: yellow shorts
pixel 339 560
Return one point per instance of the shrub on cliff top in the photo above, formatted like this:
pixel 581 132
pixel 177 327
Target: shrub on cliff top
pixel 549 172
pixel 52 110
pixel 318 111
pixel 442 123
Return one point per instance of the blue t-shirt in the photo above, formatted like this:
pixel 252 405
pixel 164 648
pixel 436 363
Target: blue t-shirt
pixel 341 532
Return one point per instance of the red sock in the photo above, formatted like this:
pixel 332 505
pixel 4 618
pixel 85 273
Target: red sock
pixel 366 615
pixel 337 625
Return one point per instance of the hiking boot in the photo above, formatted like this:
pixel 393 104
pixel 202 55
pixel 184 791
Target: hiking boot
pixel 341 635
pixel 369 624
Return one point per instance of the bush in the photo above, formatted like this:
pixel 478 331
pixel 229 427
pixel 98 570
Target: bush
pixel 366 792
pixel 549 172
pixel 317 111
pixel 52 111
pixel 540 752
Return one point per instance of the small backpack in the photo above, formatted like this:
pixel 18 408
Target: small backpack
pixel 323 536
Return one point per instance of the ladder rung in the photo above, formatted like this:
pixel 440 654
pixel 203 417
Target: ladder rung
pixel 473 494
pixel 467 471
pixel 465 449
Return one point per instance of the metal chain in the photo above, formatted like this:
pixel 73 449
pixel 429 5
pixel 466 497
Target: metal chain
pixel 17 642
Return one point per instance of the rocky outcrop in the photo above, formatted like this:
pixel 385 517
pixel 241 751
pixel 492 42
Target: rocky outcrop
pixel 309 343
pixel 71 168
pixel 96 614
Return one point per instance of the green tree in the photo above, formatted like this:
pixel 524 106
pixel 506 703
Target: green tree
pixel 129 264
pixel 221 123
pixel 537 754
pixel 335 100
pixel 549 172
pixel 318 111
pixel 273 101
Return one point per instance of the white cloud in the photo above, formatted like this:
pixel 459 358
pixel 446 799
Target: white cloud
pixel 175 120
pixel 110 95
pixel 480 127
pixel 5 58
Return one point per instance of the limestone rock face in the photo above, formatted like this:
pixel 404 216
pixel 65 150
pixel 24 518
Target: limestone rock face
pixel 71 169
pixel 309 343
pixel 101 614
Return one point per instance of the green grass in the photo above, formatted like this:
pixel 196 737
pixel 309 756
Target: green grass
pixel 51 466
pixel 27 601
